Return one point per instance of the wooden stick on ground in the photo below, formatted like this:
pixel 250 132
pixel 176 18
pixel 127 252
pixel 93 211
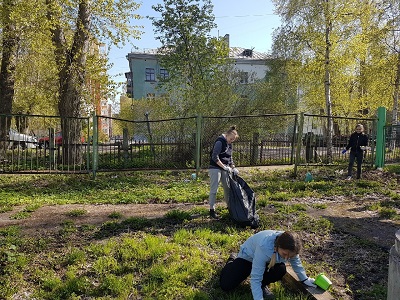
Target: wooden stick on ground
pixel 291 282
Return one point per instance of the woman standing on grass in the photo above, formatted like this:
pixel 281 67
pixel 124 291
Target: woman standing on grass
pixel 221 164
pixel 357 143
pixel 263 257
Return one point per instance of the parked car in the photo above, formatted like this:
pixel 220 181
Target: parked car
pixel 20 139
pixel 45 141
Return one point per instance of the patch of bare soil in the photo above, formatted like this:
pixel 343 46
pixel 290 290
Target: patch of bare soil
pixel 354 218
pixel 358 250
pixel 47 220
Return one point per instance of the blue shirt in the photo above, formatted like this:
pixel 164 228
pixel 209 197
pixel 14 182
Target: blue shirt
pixel 259 249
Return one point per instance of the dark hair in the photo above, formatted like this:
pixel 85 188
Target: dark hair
pixel 232 130
pixel 289 241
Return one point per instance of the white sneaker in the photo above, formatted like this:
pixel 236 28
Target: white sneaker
pixel 348 178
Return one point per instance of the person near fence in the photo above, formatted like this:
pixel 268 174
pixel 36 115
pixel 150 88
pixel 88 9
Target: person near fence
pixel 357 144
pixel 221 164
pixel 263 257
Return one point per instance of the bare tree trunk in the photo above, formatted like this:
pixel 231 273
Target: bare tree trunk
pixel 327 84
pixel 71 64
pixel 7 73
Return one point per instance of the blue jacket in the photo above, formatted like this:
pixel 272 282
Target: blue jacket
pixel 259 249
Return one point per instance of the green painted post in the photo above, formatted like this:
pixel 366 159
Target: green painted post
pixel 380 138
pixel 199 122
pixel 298 145
pixel 95 145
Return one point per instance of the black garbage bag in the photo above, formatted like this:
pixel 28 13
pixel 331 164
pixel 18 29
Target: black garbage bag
pixel 242 203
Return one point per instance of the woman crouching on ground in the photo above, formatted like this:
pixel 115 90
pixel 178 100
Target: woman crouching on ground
pixel 263 257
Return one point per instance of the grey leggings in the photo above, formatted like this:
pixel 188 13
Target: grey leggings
pixel 216 176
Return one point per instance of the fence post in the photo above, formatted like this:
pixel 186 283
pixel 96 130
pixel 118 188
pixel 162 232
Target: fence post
pixel 199 122
pixel 125 146
pixel 52 148
pixel 95 145
pixel 146 114
pixel 89 141
pixel 298 143
pixel 293 139
pixel 380 138
pixel 254 149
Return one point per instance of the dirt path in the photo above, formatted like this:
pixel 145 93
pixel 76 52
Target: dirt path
pixel 347 215
pixel 353 218
pixel 48 219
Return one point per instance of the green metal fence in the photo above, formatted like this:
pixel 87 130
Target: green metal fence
pixel 392 143
pixel 36 144
pixel 263 139
pixel 33 144
pixel 314 139
pixel 150 144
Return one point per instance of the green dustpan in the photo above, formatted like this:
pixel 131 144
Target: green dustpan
pixel 322 281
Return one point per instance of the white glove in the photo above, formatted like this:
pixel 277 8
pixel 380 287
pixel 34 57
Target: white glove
pixel 310 282
pixel 235 171
pixel 228 169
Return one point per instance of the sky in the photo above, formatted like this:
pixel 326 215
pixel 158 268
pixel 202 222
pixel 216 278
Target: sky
pixel 249 23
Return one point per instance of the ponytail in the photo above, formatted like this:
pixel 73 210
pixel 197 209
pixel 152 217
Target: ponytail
pixel 232 131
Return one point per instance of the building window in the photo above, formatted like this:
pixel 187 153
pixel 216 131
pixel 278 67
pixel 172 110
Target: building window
pixel 164 74
pixel 150 74
pixel 244 77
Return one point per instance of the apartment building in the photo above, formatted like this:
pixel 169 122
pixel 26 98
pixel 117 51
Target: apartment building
pixel 146 72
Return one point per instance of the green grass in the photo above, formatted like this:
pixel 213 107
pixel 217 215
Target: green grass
pixel 387 209
pixel 76 213
pixel 123 188
pixel 115 215
pixel 179 255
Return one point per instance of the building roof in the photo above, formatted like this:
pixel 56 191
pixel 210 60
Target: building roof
pixel 246 53
pixel 234 52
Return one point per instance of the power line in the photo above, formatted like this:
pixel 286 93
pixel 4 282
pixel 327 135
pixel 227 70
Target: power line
pixel 245 16
pixel 221 17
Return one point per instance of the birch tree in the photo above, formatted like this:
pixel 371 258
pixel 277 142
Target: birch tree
pixel 319 33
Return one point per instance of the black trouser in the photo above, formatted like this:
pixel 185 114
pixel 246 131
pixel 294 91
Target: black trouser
pixel 236 271
pixel 359 155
